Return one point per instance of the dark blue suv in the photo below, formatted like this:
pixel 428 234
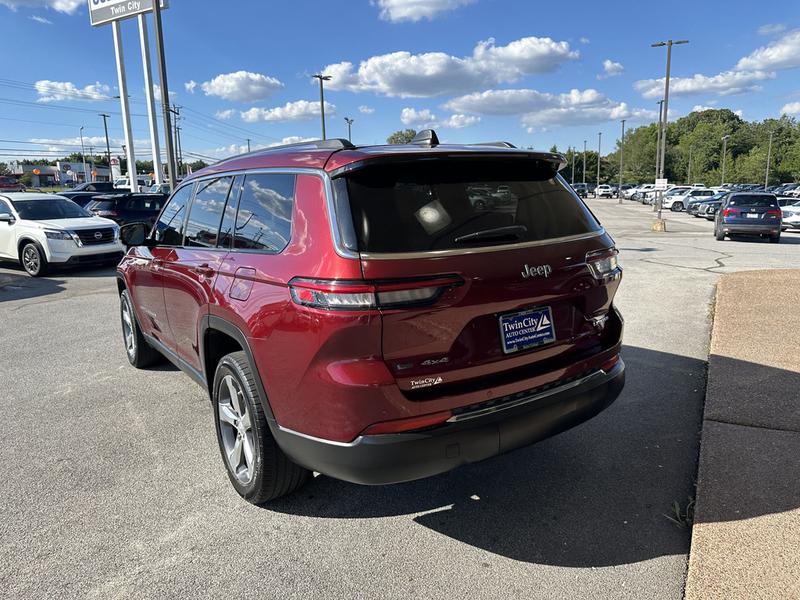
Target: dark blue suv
pixel 749 213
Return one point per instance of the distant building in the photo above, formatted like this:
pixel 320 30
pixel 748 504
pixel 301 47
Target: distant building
pixel 45 175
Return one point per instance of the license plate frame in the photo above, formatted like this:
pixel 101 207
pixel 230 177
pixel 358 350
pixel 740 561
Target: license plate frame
pixel 539 332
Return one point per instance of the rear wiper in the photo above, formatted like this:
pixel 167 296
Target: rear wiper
pixel 512 232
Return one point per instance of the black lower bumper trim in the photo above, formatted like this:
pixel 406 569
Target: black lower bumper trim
pixel 89 259
pixel 394 458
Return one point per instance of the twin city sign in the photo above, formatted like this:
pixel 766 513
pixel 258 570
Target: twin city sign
pixel 105 11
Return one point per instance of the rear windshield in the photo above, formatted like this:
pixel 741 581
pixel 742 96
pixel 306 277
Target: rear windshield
pixel 451 204
pixel 753 200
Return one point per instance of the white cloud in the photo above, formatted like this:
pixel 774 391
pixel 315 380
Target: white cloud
pixel 41 20
pixel 771 29
pixel 425 119
pixel 64 6
pixel 793 108
pixel 223 152
pixel 157 93
pixel 435 73
pixel 585 40
pixel 725 83
pixel 366 110
pixel 58 91
pixel 291 111
pixel 241 86
pixel 416 10
pixel 701 108
pixel 540 109
pixel 611 69
pixel 224 115
pixel 783 53
pixel 190 85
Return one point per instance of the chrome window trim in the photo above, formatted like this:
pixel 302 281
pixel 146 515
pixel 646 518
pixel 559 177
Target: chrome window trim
pixel 329 203
pixel 483 250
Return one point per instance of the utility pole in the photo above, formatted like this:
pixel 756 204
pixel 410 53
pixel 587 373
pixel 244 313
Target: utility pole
pixel 349 122
pixel 322 78
pixel 584 162
pixel 86 177
pixel 248 144
pixel 724 154
pixel 180 150
pixel 599 139
pixel 573 165
pixel 769 156
pixel 176 110
pixel 621 141
pixel 668 44
pixel 108 146
pixel 162 77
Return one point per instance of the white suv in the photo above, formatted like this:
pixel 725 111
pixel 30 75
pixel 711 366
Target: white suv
pixel 604 191
pixel 679 201
pixel 38 230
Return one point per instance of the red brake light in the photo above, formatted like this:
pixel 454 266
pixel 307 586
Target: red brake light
pixel 774 213
pixel 603 263
pixel 728 212
pixel 366 295
pixel 399 425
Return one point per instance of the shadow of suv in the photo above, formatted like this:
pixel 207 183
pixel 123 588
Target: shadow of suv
pixel 351 311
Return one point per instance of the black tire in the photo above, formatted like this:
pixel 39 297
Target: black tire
pixel 480 205
pixel 775 239
pixel 33 259
pixel 719 234
pixel 677 206
pixel 270 474
pixel 140 354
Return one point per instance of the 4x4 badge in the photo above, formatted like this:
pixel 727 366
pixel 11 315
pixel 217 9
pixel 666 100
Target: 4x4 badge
pixel 537 271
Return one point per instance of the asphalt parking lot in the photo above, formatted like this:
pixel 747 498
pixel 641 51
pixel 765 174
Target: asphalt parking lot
pixel 113 485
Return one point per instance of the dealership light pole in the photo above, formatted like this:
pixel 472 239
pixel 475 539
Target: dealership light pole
pixel 769 156
pixel 665 118
pixel 573 165
pixel 689 169
pixel 108 146
pixel 162 80
pixel 658 135
pixel 349 122
pixel 584 162
pixel 322 78
pixel 248 144
pixel 621 141
pixel 724 153
pixel 86 177
pixel 599 139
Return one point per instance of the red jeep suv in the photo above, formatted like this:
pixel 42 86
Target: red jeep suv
pixel 366 313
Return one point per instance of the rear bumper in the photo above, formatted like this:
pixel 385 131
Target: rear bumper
pixel 755 229
pixel 394 458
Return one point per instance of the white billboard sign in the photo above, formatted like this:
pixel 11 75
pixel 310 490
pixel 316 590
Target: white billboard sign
pixel 105 11
pixel 661 184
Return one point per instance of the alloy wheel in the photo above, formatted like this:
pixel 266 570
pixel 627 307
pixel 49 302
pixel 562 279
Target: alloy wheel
pixel 128 330
pixel 31 259
pixel 236 429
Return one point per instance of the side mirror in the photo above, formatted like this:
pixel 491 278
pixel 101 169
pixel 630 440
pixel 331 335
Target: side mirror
pixel 6 218
pixel 133 234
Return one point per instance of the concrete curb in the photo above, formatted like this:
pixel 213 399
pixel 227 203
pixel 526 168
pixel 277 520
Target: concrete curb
pixel 746 535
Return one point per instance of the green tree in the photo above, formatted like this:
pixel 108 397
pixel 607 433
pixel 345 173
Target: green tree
pixel 403 136
pixel 4 170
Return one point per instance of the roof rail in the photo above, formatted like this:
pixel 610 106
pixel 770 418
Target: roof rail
pixel 426 137
pixel 495 144
pixel 329 144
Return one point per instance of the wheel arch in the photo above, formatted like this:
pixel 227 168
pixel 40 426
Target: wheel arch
pixel 25 239
pixel 220 337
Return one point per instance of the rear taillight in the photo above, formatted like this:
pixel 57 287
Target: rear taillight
pixel 367 295
pixel 411 424
pixel 603 263
pixel 774 213
pixel 728 212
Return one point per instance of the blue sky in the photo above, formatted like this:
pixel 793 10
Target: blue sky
pixel 474 69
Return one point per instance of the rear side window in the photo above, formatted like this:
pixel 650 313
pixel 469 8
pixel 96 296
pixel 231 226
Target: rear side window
pixel 461 203
pixel 264 218
pixel 757 200
pixel 204 218
pixel 104 205
pixel 169 228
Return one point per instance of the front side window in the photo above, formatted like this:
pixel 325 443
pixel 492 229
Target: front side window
pixel 451 204
pixel 206 213
pixel 264 218
pixel 169 228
